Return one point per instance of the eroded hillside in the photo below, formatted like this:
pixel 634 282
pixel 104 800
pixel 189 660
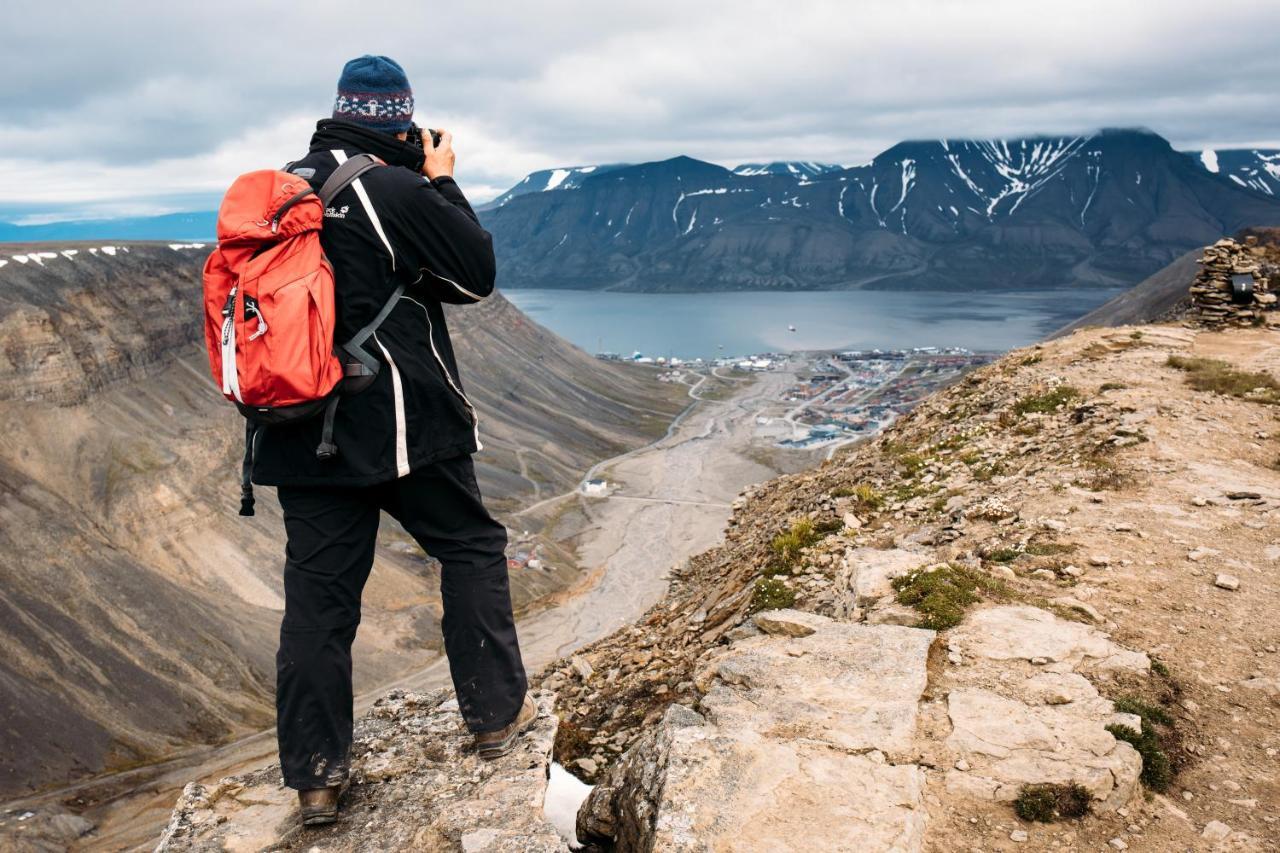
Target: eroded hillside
pixel 138 610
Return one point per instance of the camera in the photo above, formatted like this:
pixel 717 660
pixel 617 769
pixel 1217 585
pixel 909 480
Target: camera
pixel 414 137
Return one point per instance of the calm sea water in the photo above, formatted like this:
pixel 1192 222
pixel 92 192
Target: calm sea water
pixel 691 325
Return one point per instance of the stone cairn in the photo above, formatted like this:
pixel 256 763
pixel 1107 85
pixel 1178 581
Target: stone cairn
pixel 1212 301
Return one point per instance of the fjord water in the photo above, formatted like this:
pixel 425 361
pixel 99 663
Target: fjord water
pixel 707 325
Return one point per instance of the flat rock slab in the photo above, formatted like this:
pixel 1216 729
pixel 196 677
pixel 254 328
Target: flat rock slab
pixel 869 572
pixel 695 787
pixel 854 687
pixel 416 785
pixel 1022 714
pixel 1008 743
pixel 1032 634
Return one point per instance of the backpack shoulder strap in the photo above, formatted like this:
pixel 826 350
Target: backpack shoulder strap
pixel 349 168
pixel 348 173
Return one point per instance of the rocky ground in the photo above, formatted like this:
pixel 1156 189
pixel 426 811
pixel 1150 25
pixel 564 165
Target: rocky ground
pixel 1039 613
pixel 416 786
pixel 1091 535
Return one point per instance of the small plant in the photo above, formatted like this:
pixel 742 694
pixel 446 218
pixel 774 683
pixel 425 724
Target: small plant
pixel 1049 549
pixel 986 473
pixel 1208 374
pixel 1050 401
pixel 1104 475
pixel 788 546
pixel 1160 668
pixel 1032 359
pixel 941 594
pixel 911 462
pixel 771 594
pixel 842 492
pixel 1048 802
pixel 1157 770
pixel 1111 386
pixel 1003 555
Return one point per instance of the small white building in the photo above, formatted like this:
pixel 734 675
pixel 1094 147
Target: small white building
pixel 596 488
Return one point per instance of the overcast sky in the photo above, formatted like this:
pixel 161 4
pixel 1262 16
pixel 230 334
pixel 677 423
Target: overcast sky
pixel 130 107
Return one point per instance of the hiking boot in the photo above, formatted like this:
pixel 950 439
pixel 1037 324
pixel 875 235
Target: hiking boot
pixel 493 745
pixel 319 805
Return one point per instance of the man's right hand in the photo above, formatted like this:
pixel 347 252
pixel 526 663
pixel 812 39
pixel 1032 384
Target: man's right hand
pixel 438 161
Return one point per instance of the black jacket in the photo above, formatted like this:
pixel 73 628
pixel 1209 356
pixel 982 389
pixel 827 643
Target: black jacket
pixel 415 412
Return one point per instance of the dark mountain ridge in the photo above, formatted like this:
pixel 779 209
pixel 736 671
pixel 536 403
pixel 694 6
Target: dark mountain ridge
pixel 1104 209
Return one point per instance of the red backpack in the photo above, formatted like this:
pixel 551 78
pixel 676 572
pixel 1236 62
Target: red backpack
pixel 269 307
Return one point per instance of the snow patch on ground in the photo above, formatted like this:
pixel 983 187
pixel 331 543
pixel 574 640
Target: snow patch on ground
pixel 177 247
pixel 557 178
pixel 1209 158
pixel 565 795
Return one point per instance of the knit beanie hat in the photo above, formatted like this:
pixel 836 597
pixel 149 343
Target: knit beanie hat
pixel 374 91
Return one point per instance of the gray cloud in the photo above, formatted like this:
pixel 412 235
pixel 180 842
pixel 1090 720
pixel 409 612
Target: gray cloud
pixel 139 91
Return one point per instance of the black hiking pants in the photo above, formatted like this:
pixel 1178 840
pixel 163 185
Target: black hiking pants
pixel 332 532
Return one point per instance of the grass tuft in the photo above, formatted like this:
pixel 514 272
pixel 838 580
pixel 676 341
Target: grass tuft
pixel 1209 374
pixel 1048 802
pixel 1150 742
pixel 788 546
pixel 942 594
pixel 1050 401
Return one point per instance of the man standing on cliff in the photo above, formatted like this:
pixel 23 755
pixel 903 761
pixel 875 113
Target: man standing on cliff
pixel 404 444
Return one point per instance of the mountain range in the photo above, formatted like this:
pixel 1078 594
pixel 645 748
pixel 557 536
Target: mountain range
pixel 1104 209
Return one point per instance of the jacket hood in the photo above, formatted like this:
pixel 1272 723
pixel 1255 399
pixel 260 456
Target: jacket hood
pixel 338 133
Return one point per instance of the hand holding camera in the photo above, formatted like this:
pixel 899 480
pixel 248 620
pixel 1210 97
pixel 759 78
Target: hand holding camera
pixel 437 146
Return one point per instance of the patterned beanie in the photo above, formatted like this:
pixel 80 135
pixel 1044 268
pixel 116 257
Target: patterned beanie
pixel 374 91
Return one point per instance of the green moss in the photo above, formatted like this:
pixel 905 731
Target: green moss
pixel 1049 401
pixel 1003 555
pixel 1160 668
pixel 1111 386
pixel 1049 802
pixel 942 594
pixel 1208 374
pixel 771 594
